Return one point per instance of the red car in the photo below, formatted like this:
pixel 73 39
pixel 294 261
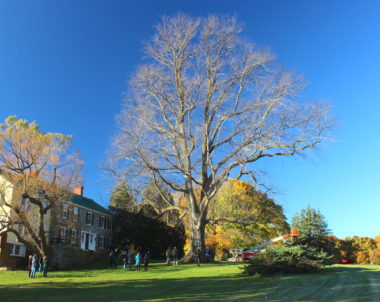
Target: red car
pixel 345 261
pixel 247 255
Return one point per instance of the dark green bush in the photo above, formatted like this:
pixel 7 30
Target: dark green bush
pixel 288 260
pixel 138 230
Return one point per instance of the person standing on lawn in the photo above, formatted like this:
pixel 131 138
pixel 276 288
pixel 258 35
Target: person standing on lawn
pixel 45 265
pixel 110 259
pixel 40 264
pixel 168 256
pixel 124 257
pixel 34 266
pixel 208 255
pixel 130 258
pixel 198 257
pixel 175 256
pixel 138 259
pixel 146 260
pixel 30 259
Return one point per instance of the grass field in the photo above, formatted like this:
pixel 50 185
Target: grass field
pixel 212 282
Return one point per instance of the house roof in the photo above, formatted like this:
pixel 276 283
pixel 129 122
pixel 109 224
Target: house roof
pixel 89 204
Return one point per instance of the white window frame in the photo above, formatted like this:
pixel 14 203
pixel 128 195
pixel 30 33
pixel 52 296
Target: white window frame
pixel 25 204
pixel 108 224
pixel 3 221
pixel 45 204
pixel 75 213
pixel 21 250
pixel 101 242
pixel 65 210
pixel 23 231
pixel 89 214
pixel 62 231
pixel 102 221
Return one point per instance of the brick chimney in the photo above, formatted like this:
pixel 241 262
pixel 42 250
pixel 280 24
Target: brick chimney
pixel 34 173
pixel 78 190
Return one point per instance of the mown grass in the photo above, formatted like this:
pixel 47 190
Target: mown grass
pixel 211 282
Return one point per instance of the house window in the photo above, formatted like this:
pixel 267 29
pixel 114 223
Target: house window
pixel 89 218
pixel 25 204
pixel 3 221
pixel 67 234
pixel 101 222
pixel 62 233
pixel 17 250
pixel 64 210
pixel 45 204
pixel 101 242
pixel 73 236
pixel 75 213
pixel 109 224
pixel 23 231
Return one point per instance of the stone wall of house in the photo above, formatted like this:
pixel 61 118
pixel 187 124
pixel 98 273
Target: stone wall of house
pixel 77 223
pixel 67 253
pixel 68 257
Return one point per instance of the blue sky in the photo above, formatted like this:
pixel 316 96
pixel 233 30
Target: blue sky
pixel 65 64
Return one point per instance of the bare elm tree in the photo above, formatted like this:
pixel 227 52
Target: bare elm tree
pixel 206 105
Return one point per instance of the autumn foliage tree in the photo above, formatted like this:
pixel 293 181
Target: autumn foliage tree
pixel 206 105
pixel 239 216
pixel 362 249
pixel 40 170
pixel 248 215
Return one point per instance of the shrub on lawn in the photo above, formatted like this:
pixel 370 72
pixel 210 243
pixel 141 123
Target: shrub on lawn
pixel 288 260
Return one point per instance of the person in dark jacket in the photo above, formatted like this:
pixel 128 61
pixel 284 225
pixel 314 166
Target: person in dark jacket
pixel 198 257
pixel 146 260
pixel 45 265
pixel 175 256
pixel 111 259
pixel 40 264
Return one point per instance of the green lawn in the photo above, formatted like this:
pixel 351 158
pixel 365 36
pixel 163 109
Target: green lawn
pixel 213 282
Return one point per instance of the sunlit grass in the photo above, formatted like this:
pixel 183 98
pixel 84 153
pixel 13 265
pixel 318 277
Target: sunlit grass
pixel 211 282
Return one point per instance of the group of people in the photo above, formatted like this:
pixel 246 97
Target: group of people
pixel 130 258
pixel 38 265
pixel 171 256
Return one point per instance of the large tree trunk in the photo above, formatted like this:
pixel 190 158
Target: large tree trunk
pixel 197 237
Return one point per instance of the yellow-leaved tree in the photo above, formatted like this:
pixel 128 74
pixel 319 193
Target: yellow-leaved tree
pixel 238 217
pixel 246 215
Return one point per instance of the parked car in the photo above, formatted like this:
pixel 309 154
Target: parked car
pixel 237 258
pixel 345 261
